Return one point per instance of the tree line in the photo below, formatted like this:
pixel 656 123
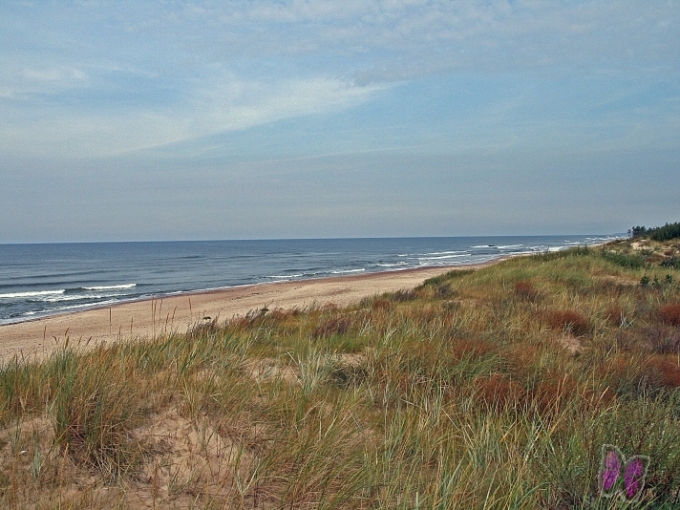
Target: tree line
pixel 665 233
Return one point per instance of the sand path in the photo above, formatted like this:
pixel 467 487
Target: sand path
pixel 149 318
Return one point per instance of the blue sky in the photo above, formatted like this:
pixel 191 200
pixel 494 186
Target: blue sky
pixel 158 120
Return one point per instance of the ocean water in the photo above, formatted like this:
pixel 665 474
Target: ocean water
pixel 38 280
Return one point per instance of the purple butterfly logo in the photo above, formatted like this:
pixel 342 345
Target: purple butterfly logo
pixel 614 465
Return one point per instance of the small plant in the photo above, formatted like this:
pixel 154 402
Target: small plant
pixel 335 326
pixel 616 316
pixel 672 262
pixel 403 296
pixel 670 314
pixel 662 373
pixel 569 321
pixel 443 291
pixel 93 415
pixel 526 291
pixel 498 392
pixel 662 339
pixel 631 261
pixel 381 305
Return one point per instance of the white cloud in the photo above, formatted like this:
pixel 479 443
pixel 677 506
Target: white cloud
pixel 232 104
pixel 224 104
pixel 20 81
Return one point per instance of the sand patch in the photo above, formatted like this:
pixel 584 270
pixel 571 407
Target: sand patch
pixel 267 369
pixel 570 343
pixel 188 463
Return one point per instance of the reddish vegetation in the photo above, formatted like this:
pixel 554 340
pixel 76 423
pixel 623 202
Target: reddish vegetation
pixel 520 358
pixel 614 314
pixel 670 314
pixel 498 391
pixel 525 290
pixel 620 372
pixel 553 390
pixel 336 326
pixel 279 314
pixel 570 321
pixel 660 338
pixel 382 304
pixel 464 348
pixel 663 372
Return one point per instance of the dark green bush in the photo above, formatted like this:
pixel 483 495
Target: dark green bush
pixel 666 233
pixel 623 260
pixel 673 262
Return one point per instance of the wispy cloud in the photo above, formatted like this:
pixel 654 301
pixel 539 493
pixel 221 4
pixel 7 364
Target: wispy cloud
pixel 225 104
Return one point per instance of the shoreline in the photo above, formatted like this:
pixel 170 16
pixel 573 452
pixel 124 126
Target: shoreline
pixel 189 293
pixel 146 318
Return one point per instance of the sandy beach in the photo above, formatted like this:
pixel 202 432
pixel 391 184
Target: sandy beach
pixel 176 314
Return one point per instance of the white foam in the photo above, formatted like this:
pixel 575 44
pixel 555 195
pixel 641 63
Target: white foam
pixel 76 297
pixel 445 252
pixel 348 271
pixel 111 287
pixel 38 293
pixel 443 257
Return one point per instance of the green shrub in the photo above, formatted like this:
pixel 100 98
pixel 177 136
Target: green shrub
pixel 666 233
pixel 624 260
pixel 673 262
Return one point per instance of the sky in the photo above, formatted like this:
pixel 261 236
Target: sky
pixel 259 119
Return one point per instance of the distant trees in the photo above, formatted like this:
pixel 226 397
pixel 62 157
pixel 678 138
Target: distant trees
pixel 667 232
pixel 637 232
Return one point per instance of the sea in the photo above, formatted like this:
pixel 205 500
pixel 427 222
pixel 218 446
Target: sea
pixel 39 280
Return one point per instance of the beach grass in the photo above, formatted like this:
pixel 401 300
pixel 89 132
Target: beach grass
pixel 481 389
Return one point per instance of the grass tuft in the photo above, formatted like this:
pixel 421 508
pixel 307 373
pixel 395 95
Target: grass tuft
pixel 525 290
pixel 670 314
pixel 569 321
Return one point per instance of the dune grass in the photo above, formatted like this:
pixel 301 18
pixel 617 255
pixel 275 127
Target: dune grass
pixel 485 389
